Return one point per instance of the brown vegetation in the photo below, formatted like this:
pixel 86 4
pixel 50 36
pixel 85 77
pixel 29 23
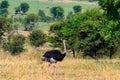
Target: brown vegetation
pixel 28 66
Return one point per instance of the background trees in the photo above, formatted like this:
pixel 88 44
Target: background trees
pixel 111 30
pixel 3 8
pixel 84 32
pixel 79 31
pixel 30 21
pixel 57 13
pixel 23 7
pixel 77 8
pixel 91 32
pixel 111 8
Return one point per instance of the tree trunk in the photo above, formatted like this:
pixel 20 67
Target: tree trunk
pixel 111 54
pixel 73 50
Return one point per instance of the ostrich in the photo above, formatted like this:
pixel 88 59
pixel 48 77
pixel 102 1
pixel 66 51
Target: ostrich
pixel 54 56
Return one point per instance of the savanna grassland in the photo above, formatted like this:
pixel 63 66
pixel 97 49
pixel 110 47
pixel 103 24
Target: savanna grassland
pixel 28 66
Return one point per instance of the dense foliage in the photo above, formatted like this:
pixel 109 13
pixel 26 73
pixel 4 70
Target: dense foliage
pixel 79 31
pixel 22 8
pixel 88 32
pixel 37 38
pixel 111 8
pixel 3 8
pixel 15 45
pixel 57 13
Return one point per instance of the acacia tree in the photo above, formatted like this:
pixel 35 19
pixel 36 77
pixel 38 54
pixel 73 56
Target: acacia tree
pixel 24 7
pixel 77 8
pixel 3 8
pixel 57 13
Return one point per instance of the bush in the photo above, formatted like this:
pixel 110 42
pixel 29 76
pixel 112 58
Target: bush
pixel 37 38
pixel 30 21
pixel 15 45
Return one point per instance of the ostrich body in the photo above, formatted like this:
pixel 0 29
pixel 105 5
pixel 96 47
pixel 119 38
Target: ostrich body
pixel 54 56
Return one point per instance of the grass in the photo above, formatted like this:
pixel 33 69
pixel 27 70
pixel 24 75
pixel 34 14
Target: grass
pixel 35 5
pixel 28 66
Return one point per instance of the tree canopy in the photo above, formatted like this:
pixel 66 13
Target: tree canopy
pixel 77 8
pixel 57 12
pixel 3 8
pixel 24 7
pixel 111 8
pixel 86 32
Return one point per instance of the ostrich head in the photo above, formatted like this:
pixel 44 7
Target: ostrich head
pixel 64 41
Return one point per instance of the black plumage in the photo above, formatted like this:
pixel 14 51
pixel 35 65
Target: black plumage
pixel 55 54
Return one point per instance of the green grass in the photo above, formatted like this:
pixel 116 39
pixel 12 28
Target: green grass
pixel 43 26
pixel 35 5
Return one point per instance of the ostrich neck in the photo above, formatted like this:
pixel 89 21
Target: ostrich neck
pixel 64 47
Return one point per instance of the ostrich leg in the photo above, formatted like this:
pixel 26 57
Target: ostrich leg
pixel 54 69
pixel 49 68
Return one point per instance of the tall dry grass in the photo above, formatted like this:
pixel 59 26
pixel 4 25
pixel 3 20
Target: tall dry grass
pixel 28 66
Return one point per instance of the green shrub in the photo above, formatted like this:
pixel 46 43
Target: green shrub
pixel 37 38
pixel 15 45
pixel 6 46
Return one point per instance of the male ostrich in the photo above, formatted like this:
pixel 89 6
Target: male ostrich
pixel 53 56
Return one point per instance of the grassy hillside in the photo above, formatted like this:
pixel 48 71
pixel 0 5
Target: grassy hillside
pixel 28 66
pixel 45 5
pixel 35 5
